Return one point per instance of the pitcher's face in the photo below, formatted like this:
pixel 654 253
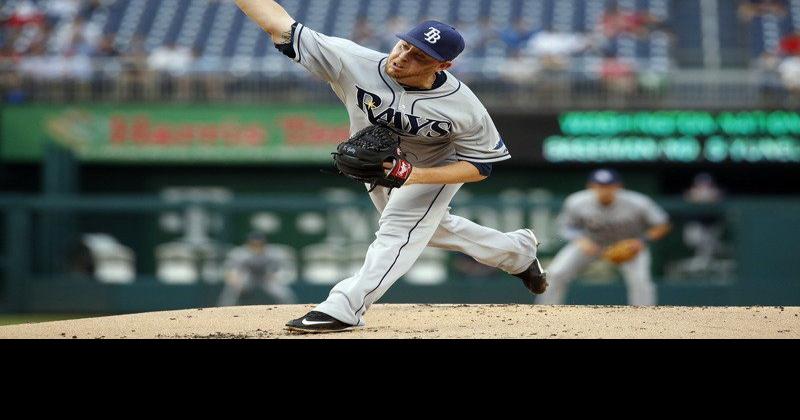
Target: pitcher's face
pixel 409 62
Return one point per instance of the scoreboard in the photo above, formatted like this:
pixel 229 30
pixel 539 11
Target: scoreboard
pixel 678 137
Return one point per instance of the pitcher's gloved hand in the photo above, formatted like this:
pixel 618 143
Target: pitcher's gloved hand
pixel 362 158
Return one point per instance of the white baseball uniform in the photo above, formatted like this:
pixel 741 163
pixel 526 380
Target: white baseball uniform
pixel 436 127
pixel 252 269
pixel 630 215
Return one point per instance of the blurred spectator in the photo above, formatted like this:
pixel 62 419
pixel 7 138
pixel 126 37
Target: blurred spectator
pixel 615 22
pixel 618 75
pixel 8 54
pixel 703 190
pixel 105 48
pixel 789 70
pixel 554 48
pixel 517 35
pixel 171 58
pixel 519 68
pixel 106 57
pixel 254 265
pixel 89 7
pixel 134 59
pixel 40 38
pixel 37 64
pixel 790 44
pixel 208 83
pixel 26 13
pixel 749 9
pixel 11 86
pixel 77 37
pixel 62 9
pixel 134 69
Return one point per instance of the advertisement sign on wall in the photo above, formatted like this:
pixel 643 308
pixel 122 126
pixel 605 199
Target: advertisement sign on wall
pixel 175 134
pixel 219 134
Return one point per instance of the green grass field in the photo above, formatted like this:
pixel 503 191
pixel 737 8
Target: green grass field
pixel 12 319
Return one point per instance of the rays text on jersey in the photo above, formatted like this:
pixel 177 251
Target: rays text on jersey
pixel 409 124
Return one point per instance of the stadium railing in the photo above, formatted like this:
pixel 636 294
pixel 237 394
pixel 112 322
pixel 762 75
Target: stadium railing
pixel 577 88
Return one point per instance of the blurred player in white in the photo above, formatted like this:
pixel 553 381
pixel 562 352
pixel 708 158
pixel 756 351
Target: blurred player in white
pixel 254 265
pixel 596 218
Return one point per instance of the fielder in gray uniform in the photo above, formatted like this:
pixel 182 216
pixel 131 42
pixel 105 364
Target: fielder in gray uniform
pixel 250 266
pixel 446 134
pixel 597 218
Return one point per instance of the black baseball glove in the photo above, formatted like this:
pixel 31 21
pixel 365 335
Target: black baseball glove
pixel 361 158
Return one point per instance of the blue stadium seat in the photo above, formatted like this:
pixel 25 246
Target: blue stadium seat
pixel 219 30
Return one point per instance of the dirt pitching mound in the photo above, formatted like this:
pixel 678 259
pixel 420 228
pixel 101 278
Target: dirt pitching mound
pixel 439 321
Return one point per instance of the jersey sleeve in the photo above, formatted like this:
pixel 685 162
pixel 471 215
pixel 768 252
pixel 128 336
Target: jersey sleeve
pixel 481 143
pixel 322 55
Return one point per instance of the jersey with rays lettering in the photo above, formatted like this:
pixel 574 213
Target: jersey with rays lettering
pixel 438 126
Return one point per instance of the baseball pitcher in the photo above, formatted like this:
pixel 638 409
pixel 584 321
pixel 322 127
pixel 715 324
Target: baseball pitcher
pixel 445 138
pixel 606 221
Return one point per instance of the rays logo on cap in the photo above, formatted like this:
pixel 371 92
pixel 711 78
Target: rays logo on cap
pixel 433 35
pixel 603 176
pixel 436 39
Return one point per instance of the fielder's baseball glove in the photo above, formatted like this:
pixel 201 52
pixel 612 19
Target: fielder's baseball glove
pixel 622 251
pixel 361 158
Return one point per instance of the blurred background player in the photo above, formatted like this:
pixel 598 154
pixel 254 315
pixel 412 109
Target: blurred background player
pixel 597 218
pixel 251 265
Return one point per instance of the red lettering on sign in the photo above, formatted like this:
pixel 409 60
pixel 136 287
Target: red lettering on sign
pixel 140 130
pixel 162 135
pixel 303 130
pixel 118 129
pixel 254 135
pixel 209 133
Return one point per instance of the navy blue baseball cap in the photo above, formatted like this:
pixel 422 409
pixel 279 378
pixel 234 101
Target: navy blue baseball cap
pixel 439 40
pixel 605 177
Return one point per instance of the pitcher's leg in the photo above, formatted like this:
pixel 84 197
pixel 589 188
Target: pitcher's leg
pixel 511 252
pixel 639 281
pixel 567 264
pixel 410 218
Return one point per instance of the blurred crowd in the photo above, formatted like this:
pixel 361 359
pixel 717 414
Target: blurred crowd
pixel 55 39
pixel 527 52
pixel 59 40
pixel 783 59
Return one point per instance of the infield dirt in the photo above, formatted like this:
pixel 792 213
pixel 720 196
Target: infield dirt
pixel 439 321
